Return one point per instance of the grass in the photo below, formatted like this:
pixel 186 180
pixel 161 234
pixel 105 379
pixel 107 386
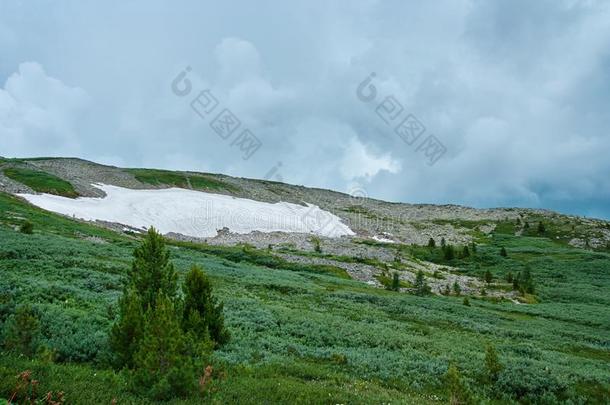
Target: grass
pixel 182 180
pixel 303 335
pixel 41 182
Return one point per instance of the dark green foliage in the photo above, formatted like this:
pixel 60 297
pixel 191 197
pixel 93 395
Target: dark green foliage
pixel 449 252
pixel 456 389
pixel 431 243
pixel 524 281
pixel 457 289
pixel 395 282
pixel 474 248
pixel 421 286
pixel 41 182
pixel 21 332
pixel 447 290
pixel 443 242
pixel 152 272
pixel 316 245
pixel 509 277
pixel 465 252
pixel 541 229
pixel 503 252
pixel 164 367
pixel 488 276
pixel 493 367
pixel 126 333
pixel 527 225
pixel 27 227
pixel 202 315
pixel 466 301
pixel 530 385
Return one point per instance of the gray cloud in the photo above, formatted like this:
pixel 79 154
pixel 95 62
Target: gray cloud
pixel 516 90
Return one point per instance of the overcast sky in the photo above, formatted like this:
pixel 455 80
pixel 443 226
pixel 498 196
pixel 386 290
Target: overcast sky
pixel 516 92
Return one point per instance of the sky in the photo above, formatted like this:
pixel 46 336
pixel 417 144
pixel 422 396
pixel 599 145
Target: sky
pixel 478 103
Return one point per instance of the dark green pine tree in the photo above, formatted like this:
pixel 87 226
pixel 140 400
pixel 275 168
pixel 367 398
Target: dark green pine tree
pixel 493 367
pixel 465 252
pixel 541 228
pixel 126 333
pixel 488 276
pixel 421 287
pixel 431 243
pixel 164 366
pixel 474 248
pixel 503 252
pixel 449 253
pixel 152 272
pixel 201 314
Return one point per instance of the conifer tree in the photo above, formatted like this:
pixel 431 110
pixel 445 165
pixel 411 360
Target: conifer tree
pixel 465 252
pixel 488 276
pixel 503 252
pixel 395 282
pixel 431 243
pixel 163 364
pixel 152 272
pixel 421 287
pixel 493 367
pixel 541 228
pixel 22 331
pixel 456 389
pixel 201 314
pixel 456 288
pixel 449 252
pixel 126 333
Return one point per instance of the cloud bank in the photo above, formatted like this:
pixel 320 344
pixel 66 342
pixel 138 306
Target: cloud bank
pixel 518 92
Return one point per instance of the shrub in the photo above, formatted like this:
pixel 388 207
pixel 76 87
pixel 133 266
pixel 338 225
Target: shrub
pixel 449 252
pixel 527 385
pixel 541 229
pixel 466 301
pixel 431 243
pixel 503 252
pixel 316 244
pixel 488 276
pixel 27 227
pixel 22 331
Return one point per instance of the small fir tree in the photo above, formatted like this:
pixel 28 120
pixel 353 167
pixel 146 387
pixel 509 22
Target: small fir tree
pixel 22 330
pixel 201 314
pixel 503 252
pixel 493 367
pixel 421 286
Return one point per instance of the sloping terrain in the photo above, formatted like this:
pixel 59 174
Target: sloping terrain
pixel 308 321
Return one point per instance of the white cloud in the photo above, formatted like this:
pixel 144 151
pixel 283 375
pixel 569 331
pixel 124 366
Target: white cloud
pixel 39 114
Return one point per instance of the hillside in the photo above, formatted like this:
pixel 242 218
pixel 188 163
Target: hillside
pixel 313 318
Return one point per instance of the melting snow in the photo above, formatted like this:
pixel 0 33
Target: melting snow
pixel 193 213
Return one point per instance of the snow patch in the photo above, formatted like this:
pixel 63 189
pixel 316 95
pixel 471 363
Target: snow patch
pixel 193 213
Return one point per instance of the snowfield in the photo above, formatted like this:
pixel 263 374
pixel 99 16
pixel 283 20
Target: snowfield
pixel 193 213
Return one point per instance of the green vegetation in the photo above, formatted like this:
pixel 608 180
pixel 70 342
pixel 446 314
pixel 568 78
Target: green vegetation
pixel 41 182
pixel 300 334
pixel 183 180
